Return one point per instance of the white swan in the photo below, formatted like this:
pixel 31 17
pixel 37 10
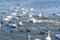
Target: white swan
pixel 14 25
pixel 31 9
pixel 30 16
pixel 48 37
pixel 33 20
pixel 17 8
pixel 9 17
pixel 24 11
pixel 29 37
pixel 13 14
pixel 40 15
pixel 20 23
pixel 37 39
pixel 0 25
pixel 6 19
pixel 58 36
pixel 58 14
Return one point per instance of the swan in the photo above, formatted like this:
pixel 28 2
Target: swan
pixel 6 19
pixel 13 14
pixel 37 39
pixel 31 9
pixel 58 14
pixel 33 20
pixel 0 25
pixel 17 8
pixel 9 16
pixel 24 11
pixel 30 16
pixel 20 23
pixel 48 37
pixel 13 25
pixel 29 37
pixel 40 15
pixel 58 36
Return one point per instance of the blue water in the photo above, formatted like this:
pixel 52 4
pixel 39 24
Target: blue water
pixel 48 7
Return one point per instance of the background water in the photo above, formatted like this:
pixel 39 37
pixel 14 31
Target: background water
pixel 48 7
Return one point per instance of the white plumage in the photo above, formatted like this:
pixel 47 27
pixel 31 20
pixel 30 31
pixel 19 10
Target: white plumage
pixel 28 37
pixel 20 23
pixel 37 39
pixel 48 37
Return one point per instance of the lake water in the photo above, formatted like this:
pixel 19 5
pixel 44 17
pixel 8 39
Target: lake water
pixel 40 6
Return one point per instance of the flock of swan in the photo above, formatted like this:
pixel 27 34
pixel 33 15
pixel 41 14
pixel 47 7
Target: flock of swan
pixel 8 19
pixel 47 38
